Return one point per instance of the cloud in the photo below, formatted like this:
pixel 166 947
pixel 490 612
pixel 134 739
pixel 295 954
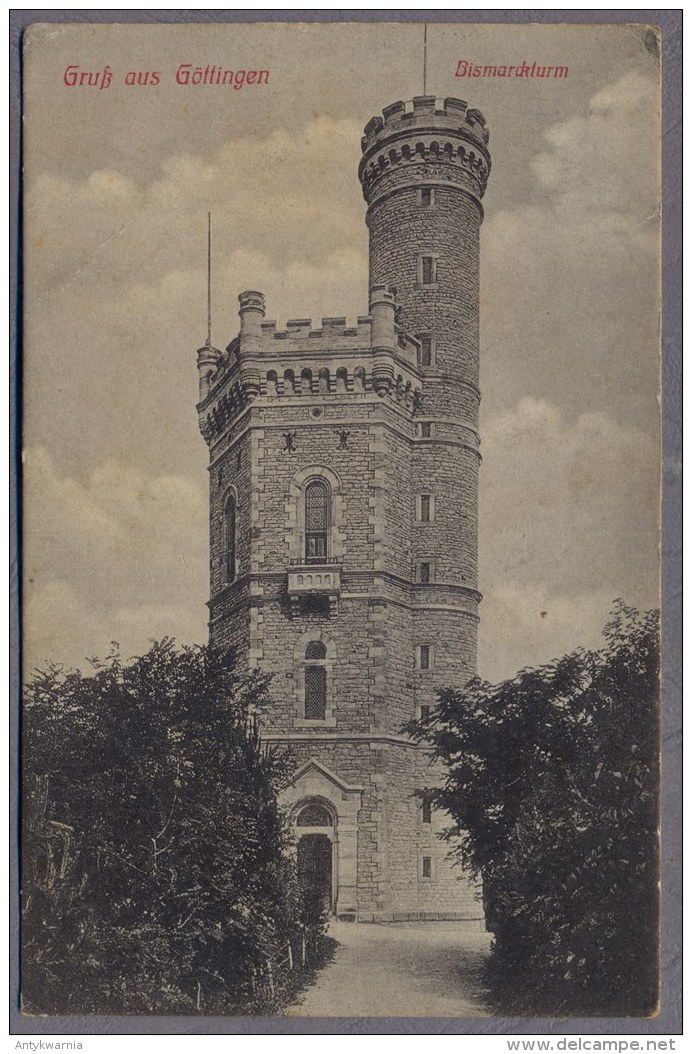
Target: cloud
pixel 568 522
pixel 570 277
pixel 117 282
pixel 118 557
pixel 607 162
pixel 529 625
pixel 271 195
pixel 116 521
pixel 66 627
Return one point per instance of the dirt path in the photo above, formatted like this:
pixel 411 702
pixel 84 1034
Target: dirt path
pixel 401 969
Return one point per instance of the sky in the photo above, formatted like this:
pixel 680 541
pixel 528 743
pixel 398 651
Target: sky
pixel 118 182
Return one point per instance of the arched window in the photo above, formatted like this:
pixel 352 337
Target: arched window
pixel 306 381
pixel 317 500
pixel 314 814
pixel 315 514
pixel 315 681
pixel 229 537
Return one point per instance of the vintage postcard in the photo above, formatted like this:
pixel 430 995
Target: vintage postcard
pixel 341 484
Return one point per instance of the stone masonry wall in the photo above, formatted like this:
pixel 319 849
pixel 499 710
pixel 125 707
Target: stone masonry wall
pixel 374 686
pixel 231 473
pixel 448 892
pixel 392 837
pixel 401 231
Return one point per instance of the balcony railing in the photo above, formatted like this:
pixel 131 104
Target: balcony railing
pixel 315 580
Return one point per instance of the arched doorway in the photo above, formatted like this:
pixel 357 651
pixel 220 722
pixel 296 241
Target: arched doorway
pixel 313 784
pixel 315 830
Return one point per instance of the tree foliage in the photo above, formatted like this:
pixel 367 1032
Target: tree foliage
pixel 156 876
pixel 552 784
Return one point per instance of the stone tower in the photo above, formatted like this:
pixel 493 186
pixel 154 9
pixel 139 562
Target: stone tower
pixel 343 517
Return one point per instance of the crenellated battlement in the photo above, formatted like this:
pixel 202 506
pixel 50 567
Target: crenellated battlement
pixel 330 335
pixel 265 360
pixel 376 356
pixel 426 130
pixel 422 112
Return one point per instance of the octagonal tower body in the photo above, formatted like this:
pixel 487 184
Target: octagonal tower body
pixel 369 432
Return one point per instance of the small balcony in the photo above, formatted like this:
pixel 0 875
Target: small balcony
pixel 312 582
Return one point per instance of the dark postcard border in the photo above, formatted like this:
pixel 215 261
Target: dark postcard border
pixel 669 1020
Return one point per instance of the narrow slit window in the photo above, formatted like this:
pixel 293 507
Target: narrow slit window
pixel 426 430
pixel 425 572
pixel 315 693
pixel 426 350
pixel 427 867
pixel 428 270
pixel 426 812
pixel 425 508
pixel 315 681
pixel 427 197
pixel 229 538
pixel 424 657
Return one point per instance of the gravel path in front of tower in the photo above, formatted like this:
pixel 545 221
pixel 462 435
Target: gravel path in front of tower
pixel 400 969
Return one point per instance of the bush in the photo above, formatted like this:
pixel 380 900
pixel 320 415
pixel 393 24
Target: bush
pixel 552 784
pixel 156 871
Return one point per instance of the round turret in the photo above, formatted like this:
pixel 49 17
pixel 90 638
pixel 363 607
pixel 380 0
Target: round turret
pixel 449 142
pixel 424 170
